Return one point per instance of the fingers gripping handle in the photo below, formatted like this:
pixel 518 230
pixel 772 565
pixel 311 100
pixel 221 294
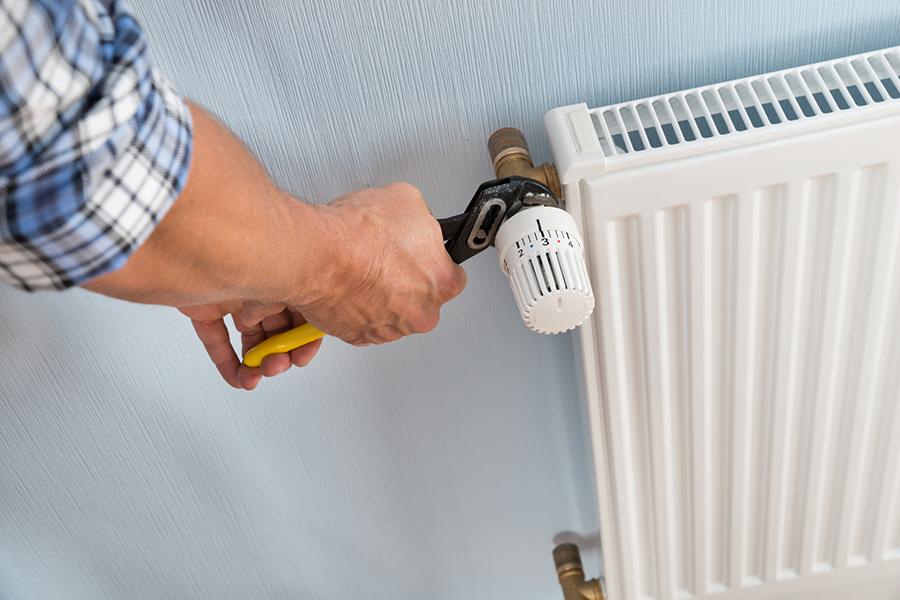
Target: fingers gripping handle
pixel 283 342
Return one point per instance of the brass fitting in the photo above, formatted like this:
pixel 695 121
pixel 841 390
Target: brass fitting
pixel 571 575
pixel 510 155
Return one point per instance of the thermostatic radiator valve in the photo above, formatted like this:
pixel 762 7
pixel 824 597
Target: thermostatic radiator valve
pixel 540 248
pixel 542 253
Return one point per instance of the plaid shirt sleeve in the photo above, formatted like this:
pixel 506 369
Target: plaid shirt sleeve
pixel 95 143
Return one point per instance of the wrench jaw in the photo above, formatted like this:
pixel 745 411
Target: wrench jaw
pixel 469 233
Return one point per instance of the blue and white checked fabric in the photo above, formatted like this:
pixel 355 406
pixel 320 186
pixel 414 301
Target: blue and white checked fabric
pixel 95 143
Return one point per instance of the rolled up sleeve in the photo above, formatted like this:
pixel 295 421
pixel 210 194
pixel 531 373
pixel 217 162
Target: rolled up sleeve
pixel 95 143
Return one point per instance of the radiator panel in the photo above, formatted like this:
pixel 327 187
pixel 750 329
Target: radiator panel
pixel 742 364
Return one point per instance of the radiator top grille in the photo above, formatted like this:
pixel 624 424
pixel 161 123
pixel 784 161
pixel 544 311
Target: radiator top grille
pixel 814 96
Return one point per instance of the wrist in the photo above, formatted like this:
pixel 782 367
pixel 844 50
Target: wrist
pixel 333 253
pixel 310 267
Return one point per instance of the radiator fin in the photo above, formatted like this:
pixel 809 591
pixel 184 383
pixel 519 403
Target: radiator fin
pixel 786 415
pixel 752 345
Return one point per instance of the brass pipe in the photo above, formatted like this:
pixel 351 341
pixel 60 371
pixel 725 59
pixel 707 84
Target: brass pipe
pixel 509 153
pixel 571 575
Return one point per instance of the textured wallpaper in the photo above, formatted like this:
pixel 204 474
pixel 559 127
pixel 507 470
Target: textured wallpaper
pixel 441 466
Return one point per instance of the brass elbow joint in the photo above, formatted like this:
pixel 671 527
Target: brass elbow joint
pixel 510 155
pixel 571 575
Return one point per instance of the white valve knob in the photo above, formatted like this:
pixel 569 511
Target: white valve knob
pixel 542 253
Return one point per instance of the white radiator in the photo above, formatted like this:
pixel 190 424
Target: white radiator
pixel 742 366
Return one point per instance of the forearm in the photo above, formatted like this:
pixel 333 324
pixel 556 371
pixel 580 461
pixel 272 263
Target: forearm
pixel 231 235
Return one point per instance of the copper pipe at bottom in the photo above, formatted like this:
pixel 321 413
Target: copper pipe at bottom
pixel 571 575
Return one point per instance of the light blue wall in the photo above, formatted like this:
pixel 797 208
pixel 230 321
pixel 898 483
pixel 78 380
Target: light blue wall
pixel 440 466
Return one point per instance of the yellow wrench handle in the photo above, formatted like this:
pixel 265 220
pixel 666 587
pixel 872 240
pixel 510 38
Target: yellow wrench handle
pixel 283 342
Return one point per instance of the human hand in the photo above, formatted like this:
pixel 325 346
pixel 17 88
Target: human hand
pixel 385 274
pixel 379 272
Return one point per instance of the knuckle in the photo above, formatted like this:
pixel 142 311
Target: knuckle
pixel 425 322
pixel 405 189
pixel 430 323
pixel 452 283
pixel 386 334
